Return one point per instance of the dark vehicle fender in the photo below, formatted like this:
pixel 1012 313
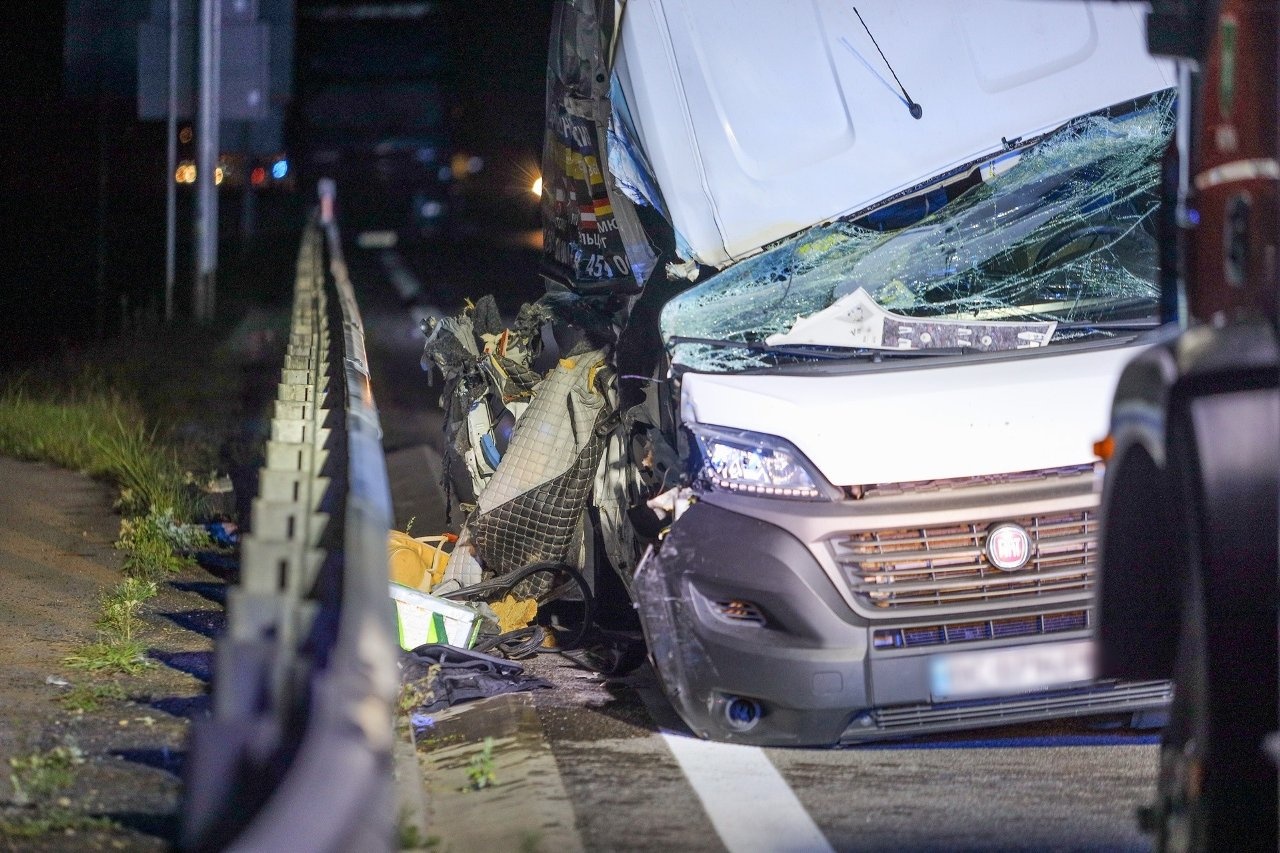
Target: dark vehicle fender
pixel 1224 454
pixel 1196 431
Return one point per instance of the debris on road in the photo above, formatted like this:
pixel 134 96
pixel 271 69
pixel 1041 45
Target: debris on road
pixel 420 561
pixel 423 618
pixel 445 676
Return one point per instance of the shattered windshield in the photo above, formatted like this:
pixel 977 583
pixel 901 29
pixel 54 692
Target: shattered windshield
pixel 1053 237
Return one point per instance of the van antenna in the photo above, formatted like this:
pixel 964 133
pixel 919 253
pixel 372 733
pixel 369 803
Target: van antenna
pixel 915 109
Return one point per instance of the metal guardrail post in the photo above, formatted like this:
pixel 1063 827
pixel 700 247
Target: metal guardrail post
pixel 297 752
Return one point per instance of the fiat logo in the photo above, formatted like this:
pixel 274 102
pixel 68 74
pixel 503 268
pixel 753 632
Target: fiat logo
pixel 1008 546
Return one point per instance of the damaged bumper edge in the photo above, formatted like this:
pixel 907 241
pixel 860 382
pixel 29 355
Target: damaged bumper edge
pixel 753 620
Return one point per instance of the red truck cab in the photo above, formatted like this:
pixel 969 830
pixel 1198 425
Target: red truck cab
pixel 1188 586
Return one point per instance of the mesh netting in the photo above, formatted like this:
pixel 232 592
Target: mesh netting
pixel 540 525
pixel 532 507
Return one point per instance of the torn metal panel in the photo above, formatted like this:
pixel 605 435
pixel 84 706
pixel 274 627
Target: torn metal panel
pixel 592 238
pixel 1063 230
pixel 612 496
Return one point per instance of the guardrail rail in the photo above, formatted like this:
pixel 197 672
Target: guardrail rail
pixel 297 751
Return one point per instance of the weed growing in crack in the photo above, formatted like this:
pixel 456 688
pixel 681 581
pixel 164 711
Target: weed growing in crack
pixel 410 837
pixel 121 607
pixel 156 544
pixel 118 648
pixel 110 655
pixel 480 770
pixel 38 775
pixel 410 697
pixel 88 698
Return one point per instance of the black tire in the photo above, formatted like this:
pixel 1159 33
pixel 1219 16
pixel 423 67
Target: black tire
pixel 1179 811
pixel 1217 788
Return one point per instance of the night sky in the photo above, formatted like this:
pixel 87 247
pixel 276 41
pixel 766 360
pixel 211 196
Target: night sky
pixel 54 146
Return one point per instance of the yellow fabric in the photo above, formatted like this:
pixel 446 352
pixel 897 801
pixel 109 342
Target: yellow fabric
pixel 415 563
pixel 591 376
pixel 514 612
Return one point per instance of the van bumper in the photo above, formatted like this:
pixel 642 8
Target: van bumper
pixel 754 644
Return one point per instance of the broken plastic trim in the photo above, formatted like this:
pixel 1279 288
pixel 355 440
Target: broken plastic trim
pixel 1065 233
pixel 679 656
pixel 627 161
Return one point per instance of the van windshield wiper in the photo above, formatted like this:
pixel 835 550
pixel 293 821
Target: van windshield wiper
pixel 1111 325
pixel 831 353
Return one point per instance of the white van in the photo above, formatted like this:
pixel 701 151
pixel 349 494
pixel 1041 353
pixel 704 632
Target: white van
pixel 915 243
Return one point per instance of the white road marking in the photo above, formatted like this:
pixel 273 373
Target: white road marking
pixel 749 803
pixel 745 797
pixel 402 279
pixel 376 239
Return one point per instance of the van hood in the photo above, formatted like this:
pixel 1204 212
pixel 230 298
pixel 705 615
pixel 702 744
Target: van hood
pixel 933 421
pixel 760 119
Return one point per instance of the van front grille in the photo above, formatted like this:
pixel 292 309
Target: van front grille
pixel 989 629
pixel 919 567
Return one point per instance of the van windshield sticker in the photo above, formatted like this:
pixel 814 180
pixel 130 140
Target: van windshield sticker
pixel 857 320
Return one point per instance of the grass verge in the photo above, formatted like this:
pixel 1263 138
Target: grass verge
pixel 141 412
pixel 103 434
pixel 53 821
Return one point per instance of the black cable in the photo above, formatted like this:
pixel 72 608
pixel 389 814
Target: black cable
pixel 514 645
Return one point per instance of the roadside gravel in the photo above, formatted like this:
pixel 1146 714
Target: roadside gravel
pixel 57 530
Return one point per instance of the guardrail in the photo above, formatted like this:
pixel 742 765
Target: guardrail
pixel 297 752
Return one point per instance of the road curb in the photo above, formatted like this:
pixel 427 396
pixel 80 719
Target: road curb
pixel 411 793
pixel 526 808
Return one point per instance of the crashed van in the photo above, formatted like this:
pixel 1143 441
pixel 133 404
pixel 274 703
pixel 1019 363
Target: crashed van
pixel 875 268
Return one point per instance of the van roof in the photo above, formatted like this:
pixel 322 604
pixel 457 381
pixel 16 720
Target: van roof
pixel 761 118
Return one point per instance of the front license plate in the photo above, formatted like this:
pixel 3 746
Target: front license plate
pixel 1002 672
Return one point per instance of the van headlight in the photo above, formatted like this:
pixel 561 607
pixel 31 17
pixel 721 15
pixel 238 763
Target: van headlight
pixel 753 463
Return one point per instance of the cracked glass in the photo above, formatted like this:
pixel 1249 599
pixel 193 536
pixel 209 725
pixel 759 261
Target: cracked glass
pixel 1058 234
